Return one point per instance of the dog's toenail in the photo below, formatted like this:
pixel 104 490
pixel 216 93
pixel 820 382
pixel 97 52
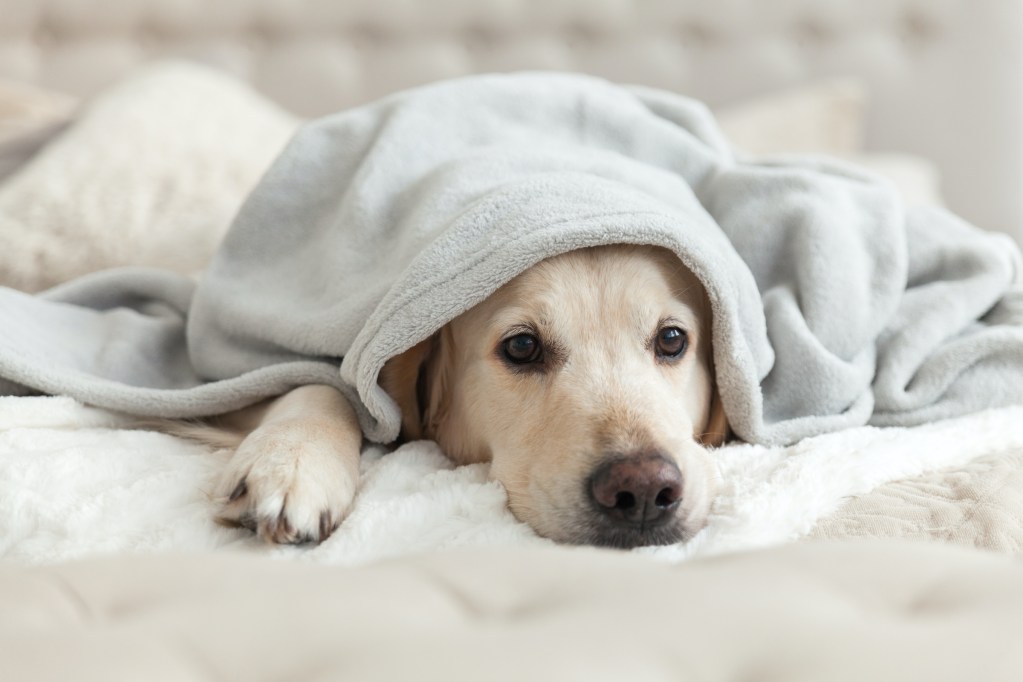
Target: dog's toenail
pixel 269 529
pixel 325 525
pixel 238 491
pixel 282 522
pixel 248 521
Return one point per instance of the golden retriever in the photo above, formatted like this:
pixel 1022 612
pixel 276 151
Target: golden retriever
pixel 586 382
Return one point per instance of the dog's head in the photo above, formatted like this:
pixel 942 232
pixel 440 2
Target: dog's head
pixel 587 381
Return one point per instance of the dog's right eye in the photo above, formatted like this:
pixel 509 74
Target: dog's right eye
pixel 522 349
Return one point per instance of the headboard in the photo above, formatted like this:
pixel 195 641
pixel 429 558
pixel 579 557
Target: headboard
pixel 945 76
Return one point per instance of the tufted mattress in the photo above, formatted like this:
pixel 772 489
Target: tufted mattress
pixel 826 612
pixel 933 68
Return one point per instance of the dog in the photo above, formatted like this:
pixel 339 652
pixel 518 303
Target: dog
pixel 587 382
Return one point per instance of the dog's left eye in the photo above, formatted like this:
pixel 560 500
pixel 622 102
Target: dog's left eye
pixel 671 342
pixel 522 349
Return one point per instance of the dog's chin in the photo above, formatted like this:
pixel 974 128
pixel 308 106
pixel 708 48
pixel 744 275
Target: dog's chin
pixel 627 537
pixel 600 532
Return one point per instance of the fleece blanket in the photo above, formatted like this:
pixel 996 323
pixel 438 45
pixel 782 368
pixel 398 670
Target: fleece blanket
pixel 77 481
pixel 833 304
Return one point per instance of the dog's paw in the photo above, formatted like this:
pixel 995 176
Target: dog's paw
pixel 287 485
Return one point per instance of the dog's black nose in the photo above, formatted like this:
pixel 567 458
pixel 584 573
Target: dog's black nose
pixel 638 489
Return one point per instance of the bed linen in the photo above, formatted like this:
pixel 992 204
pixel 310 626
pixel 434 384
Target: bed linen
pixel 151 105
pixel 979 504
pixel 378 225
pixel 185 217
pixel 193 214
pixel 77 481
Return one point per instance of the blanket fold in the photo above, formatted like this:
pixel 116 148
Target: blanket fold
pixel 834 305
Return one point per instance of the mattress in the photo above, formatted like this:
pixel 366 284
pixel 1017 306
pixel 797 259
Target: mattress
pixel 822 612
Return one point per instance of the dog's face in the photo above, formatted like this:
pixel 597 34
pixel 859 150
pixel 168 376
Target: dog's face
pixel 587 382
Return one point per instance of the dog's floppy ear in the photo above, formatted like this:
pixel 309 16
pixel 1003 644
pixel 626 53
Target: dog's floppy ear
pixel 418 380
pixel 717 430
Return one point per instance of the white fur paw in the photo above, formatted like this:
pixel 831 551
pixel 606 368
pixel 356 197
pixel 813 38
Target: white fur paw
pixel 287 485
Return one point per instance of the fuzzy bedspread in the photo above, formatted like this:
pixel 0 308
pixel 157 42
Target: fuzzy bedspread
pixel 834 305
pixel 76 481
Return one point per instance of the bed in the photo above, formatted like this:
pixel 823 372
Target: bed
pixel 878 83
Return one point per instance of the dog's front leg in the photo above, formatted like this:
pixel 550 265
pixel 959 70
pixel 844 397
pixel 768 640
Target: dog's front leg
pixel 293 478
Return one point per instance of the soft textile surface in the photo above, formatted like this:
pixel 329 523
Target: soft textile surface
pixel 66 217
pixel 837 613
pixel 75 482
pixel 77 486
pixel 833 306
pixel 821 118
pixel 149 173
pixel 825 118
pixel 977 505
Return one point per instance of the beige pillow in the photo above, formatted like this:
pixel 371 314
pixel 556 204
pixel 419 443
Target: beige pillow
pixel 150 172
pixel 825 118
pixel 917 179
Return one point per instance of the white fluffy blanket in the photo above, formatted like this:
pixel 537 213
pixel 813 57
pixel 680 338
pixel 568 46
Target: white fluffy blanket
pixel 75 482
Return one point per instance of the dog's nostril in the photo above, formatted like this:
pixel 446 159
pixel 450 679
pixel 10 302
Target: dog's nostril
pixel 625 500
pixel 667 497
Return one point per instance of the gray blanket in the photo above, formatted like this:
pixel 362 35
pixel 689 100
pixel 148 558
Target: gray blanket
pixel 834 305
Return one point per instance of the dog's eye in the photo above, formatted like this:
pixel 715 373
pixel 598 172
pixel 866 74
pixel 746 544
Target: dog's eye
pixel 522 349
pixel 671 342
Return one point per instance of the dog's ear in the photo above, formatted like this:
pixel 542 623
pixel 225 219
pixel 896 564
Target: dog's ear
pixel 717 430
pixel 418 380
